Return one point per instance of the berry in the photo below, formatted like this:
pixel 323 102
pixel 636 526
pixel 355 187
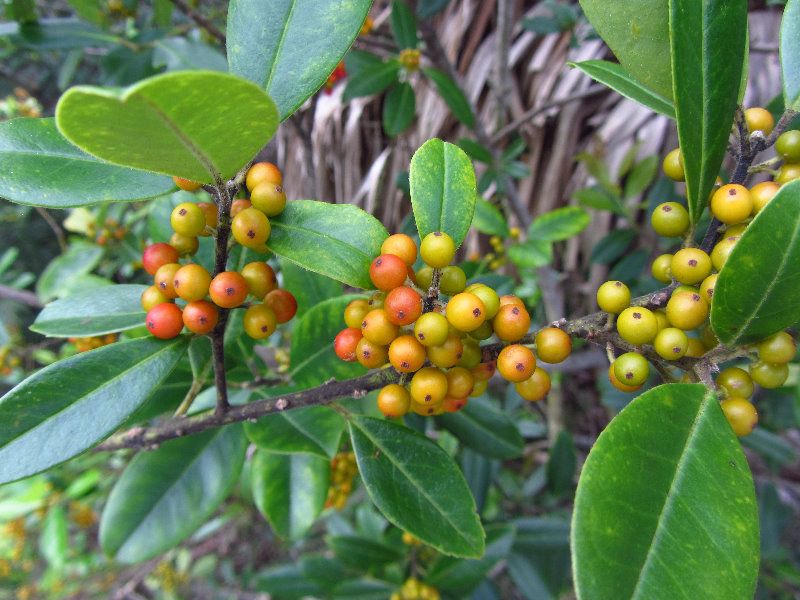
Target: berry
pixel 283 303
pixel 394 400
pixel 263 171
pixel 511 322
pixel 451 405
pixel 732 203
pixel 637 325
pixel 673 165
pixel 553 345
pixel 670 220
pixel 741 415
pixel 769 375
pixel 228 289
pixel 152 296
pixel 187 184
pixel 736 382
pixel 184 244
pixel 403 305
pixel 516 363
pixel 490 299
pixel 401 245
pixel 428 386
pixel 448 353
pixel 696 348
pixel 157 255
pixel 722 249
pixel 251 228
pixel 460 382
pixel 424 277
pixel 707 287
pixel 437 249
pixel 471 353
pixel 346 342
pixel 370 354
pixel 535 387
pixel 388 272
pixel 239 205
pixel 453 280
pixel 406 354
pixel 761 193
pixel 662 268
pixel 259 321
pixel 465 312
pixel 200 316
pixel 269 198
pixel 777 348
pixel 759 119
pixel 671 343
pixel 690 265
pixel 479 388
pixel 211 213
pixel 164 321
pixel 188 219
pixel 788 146
pixel 613 297
pixel 618 384
pixel 260 278
pixel 631 369
pixel 354 312
pixel 686 310
pixel 483 371
pixel 788 172
pixel 377 327
pixel 164 278
pixel 191 282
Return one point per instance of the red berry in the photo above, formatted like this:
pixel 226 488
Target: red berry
pixel 165 320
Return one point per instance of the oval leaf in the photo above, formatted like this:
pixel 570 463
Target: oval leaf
pixel 488 219
pixel 452 95
pixel 756 293
pixel 314 430
pixel 42 168
pixel 417 486
pixel 639 38
pixel 164 495
pixel 371 79
pixel 290 490
pixel 398 109
pixel 79 259
pixel 485 429
pixel 177 123
pixel 443 190
pixel 665 506
pixel 709 49
pixel 93 312
pixel 336 240
pixel 404 27
pixel 363 553
pixel 559 224
pixel 289 47
pixel 71 405
pixel 790 54
pixel 615 76
pixel 312 358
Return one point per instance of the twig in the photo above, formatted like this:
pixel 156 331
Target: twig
pixel 62 242
pixel 22 296
pixel 201 20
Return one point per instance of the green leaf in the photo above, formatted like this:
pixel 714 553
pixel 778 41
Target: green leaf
pixel 443 190
pixel 78 402
pixel 363 589
pixel 398 109
pixel 638 37
pixel 561 466
pixel 790 54
pixel 339 241
pixel 615 76
pixel 289 582
pixel 372 79
pixel 177 123
pixel 641 176
pixel 164 495
pixel 404 27
pixel 290 490
pixel 60 34
pixel 178 53
pixel 289 47
pixel 598 198
pixel 709 46
pixel 79 259
pixel 485 429
pixel 531 254
pixel 312 358
pixel 309 288
pixel 665 506
pixel 417 486
pixel 612 245
pixel 488 219
pixel 41 168
pixel 559 224
pixel 93 312
pixel 475 150
pixel 314 430
pixel 452 95
pixel 54 537
pixel 363 553
pixel 756 292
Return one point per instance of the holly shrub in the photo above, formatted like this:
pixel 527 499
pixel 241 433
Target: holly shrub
pixel 231 371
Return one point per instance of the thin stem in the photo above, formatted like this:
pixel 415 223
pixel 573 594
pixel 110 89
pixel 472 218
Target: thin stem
pixel 201 20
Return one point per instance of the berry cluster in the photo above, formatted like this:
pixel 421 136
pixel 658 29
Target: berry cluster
pixel 414 589
pixel 435 345
pixel 85 344
pixel 193 283
pixel 696 272
pixel 343 469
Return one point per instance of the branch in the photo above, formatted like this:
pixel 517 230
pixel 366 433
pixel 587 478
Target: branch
pixel 22 296
pixel 201 20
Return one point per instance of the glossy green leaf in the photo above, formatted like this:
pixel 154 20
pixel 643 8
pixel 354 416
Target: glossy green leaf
pixel 177 123
pixel 404 26
pixel 79 259
pixel 314 430
pixel 531 254
pixel 480 472
pixel 452 95
pixel 42 168
pixel 363 553
pixel 371 79
pixel 339 241
pixel 488 219
pixel 709 46
pixel 290 490
pixel 289 582
pixel 417 486
pixel 615 76
pixel 475 150
pixel 596 197
pixel 641 176
pixel 443 189
pixel 289 47
pixel 363 589
pixel 178 53
pixel 665 506
pixel 398 108
pixel 164 495
pixel 485 429
pixel 93 312
pixel 639 38
pixel 59 34
pixel 790 54
pixel 309 288
pixel 71 405
pixel 756 292
pixel 559 224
